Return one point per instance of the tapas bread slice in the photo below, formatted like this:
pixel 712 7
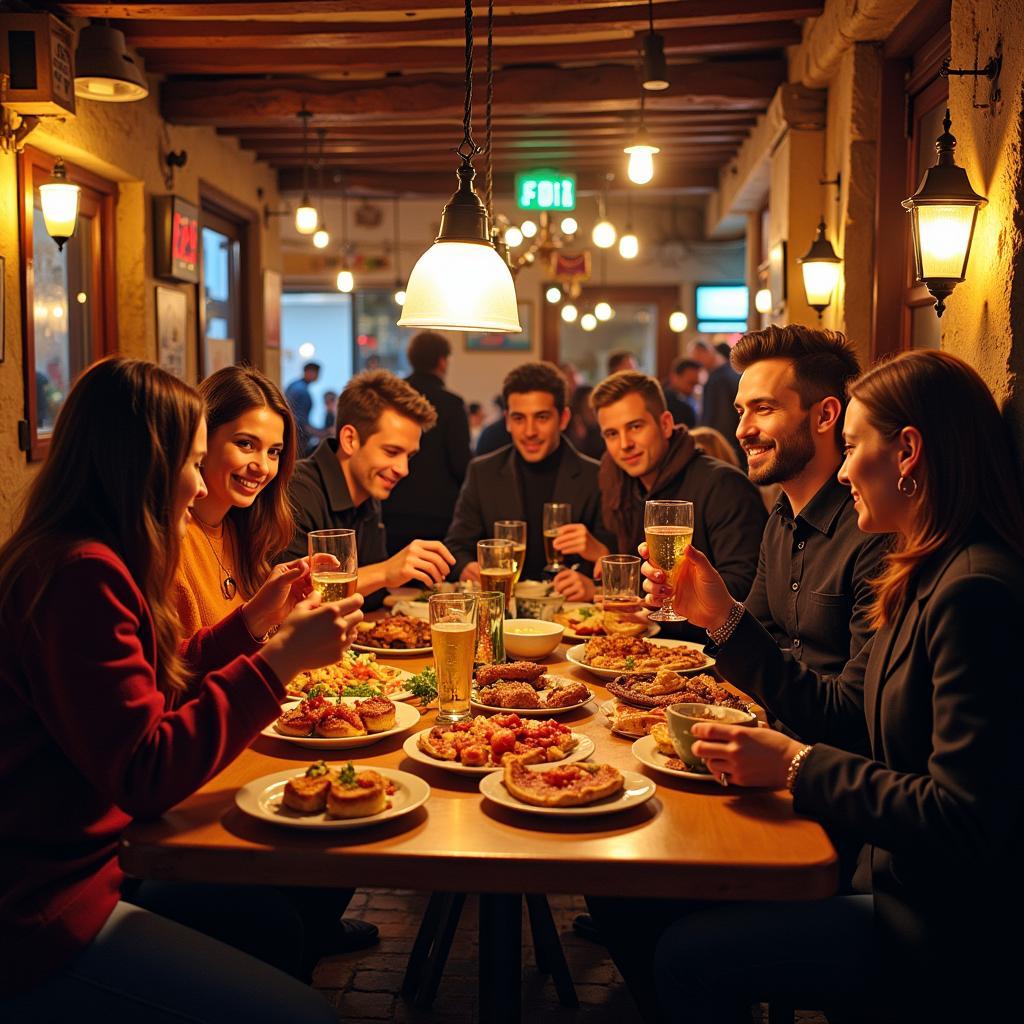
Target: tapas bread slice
pixel 302 719
pixel 571 785
pixel 307 793
pixel 356 794
pixel 663 740
pixel 340 721
pixel 377 713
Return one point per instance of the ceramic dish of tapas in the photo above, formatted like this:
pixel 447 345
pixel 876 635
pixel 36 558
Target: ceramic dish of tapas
pixel 637 789
pixel 690 658
pixel 645 750
pixel 406 716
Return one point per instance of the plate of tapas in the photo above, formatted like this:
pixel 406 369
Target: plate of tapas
pixel 480 745
pixel 393 635
pixel 332 796
pixel 629 721
pixel 326 724
pixel 524 687
pixel 611 656
pixel 354 675
pixel 583 621
pixel 572 790
pixel 657 753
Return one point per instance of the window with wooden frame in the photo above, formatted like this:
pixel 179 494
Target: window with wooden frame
pixel 69 300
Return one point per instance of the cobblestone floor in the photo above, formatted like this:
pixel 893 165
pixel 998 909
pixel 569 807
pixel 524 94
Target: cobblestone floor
pixel 364 986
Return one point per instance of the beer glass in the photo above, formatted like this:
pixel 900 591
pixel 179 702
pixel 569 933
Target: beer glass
pixel 490 629
pixel 515 531
pixel 497 570
pixel 453 638
pixel 333 563
pixel 556 515
pixel 668 530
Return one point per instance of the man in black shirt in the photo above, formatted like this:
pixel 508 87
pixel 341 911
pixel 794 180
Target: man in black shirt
pixel 718 407
pixel 516 481
pixel 341 486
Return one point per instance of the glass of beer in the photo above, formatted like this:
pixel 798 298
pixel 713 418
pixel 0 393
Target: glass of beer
pixel 668 530
pixel 453 638
pixel 515 531
pixel 620 585
pixel 556 515
pixel 490 629
pixel 497 568
pixel 333 563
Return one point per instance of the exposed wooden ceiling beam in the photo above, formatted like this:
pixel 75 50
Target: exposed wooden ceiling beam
pixel 719 39
pixel 509 28
pixel 736 85
pixel 570 158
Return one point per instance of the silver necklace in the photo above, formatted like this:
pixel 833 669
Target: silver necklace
pixel 228 586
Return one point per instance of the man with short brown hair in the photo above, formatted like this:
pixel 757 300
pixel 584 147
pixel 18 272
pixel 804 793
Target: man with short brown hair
pixel 341 485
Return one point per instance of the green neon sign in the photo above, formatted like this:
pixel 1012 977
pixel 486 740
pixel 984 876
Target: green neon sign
pixel 546 190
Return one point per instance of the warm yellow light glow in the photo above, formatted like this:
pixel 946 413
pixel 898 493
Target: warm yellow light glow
pixel 399 297
pixel 346 281
pixel 513 237
pixel 641 163
pixel 321 239
pixel 306 220
pixel 461 286
pixel 604 311
pixel 629 246
pixel 59 200
pixel 553 294
pixel 588 321
pixel 820 282
pixel 307 350
pixel 678 321
pixel 528 228
pixel 58 312
pixel 944 232
pixel 82 298
pixel 569 313
pixel 569 226
pixel 604 234
pixel 763 300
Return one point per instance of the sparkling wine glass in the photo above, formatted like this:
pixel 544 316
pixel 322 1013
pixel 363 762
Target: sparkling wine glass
pixel 668 530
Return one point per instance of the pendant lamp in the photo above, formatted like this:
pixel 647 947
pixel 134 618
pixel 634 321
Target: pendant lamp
pixel 461 283
pixel 104 70
pixel 655 69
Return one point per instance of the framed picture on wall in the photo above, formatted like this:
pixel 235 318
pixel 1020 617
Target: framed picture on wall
pixel 521 342
pixel 171 321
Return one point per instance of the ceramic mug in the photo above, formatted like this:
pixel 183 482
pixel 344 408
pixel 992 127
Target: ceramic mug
pixel 681 717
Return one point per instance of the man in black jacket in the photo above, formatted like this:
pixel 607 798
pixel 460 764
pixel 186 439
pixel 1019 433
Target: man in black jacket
pixel 718 407
pixel 517 480
pixel 421 505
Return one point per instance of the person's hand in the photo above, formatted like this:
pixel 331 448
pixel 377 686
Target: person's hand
pixel 576 539
pixel 313 635
pixel 748 757
pixel 428 561
pixel 574 586
pixel 700 593
pixel 471 573
pixel 283 589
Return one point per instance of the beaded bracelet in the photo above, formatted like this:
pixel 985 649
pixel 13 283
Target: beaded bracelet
pixel 794 766
pixel 719 636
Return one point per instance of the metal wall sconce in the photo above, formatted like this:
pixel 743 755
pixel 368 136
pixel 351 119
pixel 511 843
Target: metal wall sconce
pixel 820 265
pixel 59 199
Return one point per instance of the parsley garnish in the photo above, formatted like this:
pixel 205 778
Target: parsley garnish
pixel 347 776
pixel 630 664
pixel 423 686
pixel 361 690
pixel 314 771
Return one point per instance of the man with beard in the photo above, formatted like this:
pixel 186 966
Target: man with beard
pixel 812 590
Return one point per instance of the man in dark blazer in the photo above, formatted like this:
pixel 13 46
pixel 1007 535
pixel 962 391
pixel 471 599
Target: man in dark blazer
pixel 516 481
pixel 421 505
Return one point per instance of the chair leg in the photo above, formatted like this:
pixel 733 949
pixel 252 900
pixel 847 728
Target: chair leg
pixel 548 949
pixel 434 967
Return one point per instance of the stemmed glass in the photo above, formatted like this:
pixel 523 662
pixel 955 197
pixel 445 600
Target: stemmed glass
pixel 556 515
pixel 668 530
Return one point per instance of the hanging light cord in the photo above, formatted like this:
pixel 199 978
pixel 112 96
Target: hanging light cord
pixel 398 254
pixel 650 15
pixel 490 105
pixel 321 132
pixel 467 148
pixel 304 114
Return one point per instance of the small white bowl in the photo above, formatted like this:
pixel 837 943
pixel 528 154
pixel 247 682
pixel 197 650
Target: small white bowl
pixel 532 638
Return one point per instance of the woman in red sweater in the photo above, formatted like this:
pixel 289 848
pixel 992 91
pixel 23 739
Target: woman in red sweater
pixel 103 718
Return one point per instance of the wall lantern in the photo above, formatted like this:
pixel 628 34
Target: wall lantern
pixel 820 266
pixel 943 212
pixel 59 198
pixel 104 70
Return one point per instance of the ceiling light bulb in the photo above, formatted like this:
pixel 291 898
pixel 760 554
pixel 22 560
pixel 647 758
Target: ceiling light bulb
pixel 641 166
pixel 569 226
pixel 603 311
pixel 604 234
pixel 321 239
pixel 553 294
pixel 569 313
pixel 346 282
pixel 528 229
pixel 306 218
pixel 513 237
pixel 678 322
pixel 399 296
pixel 629 245
pixel 588 321
pixel 763 300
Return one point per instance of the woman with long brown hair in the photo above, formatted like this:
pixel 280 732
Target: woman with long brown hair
pixel 244 518
pixel 934 698
pixel 104 716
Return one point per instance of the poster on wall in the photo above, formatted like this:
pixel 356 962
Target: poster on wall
pixel 272 308
pixel 171 320
pixel 496 342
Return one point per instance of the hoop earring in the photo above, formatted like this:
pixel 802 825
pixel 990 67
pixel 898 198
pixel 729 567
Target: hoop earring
pixel 907 486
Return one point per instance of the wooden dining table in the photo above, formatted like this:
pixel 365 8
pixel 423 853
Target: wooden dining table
pixel 691 840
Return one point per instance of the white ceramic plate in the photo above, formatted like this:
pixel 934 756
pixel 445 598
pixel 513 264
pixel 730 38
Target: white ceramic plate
pixel 490 709
pixel 645 750
pixel 637 790
pixel 406 717
pixel 575 655
pixel 570 606
pixel 584 748
pixel 402 594
pixel 397 652
pixel 399 674
pixel 262 798
pixel 607 710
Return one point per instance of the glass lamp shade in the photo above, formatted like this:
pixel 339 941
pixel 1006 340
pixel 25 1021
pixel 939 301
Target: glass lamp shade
pixel 104 70
pixel 59 199
pixel 569 226
pixel 678 321
pixel 307 220
pixel 569 313
pixel 513 237
pixel 655 68
pixel 553 294
pixel 629 245
pixel 588 321
pixel 603 311
pixel 763 300
pixel 346 281
pixel 604 234
pixel 641 158
pixel 321 239
pixel 820 267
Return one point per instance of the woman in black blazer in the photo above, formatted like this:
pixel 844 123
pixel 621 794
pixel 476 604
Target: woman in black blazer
pixel 936 695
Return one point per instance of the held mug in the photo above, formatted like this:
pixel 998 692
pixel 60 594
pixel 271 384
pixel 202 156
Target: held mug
pixel 681 718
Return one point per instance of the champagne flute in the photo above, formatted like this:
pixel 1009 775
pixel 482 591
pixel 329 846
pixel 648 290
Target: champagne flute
pixel 453 638
pixel 556 515
pixel 497 569
pixel 515 531
pixel 668 530
pixel 333 563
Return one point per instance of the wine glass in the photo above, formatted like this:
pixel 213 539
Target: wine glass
pixel 556 515
pixel 668 530
pixel 333 563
